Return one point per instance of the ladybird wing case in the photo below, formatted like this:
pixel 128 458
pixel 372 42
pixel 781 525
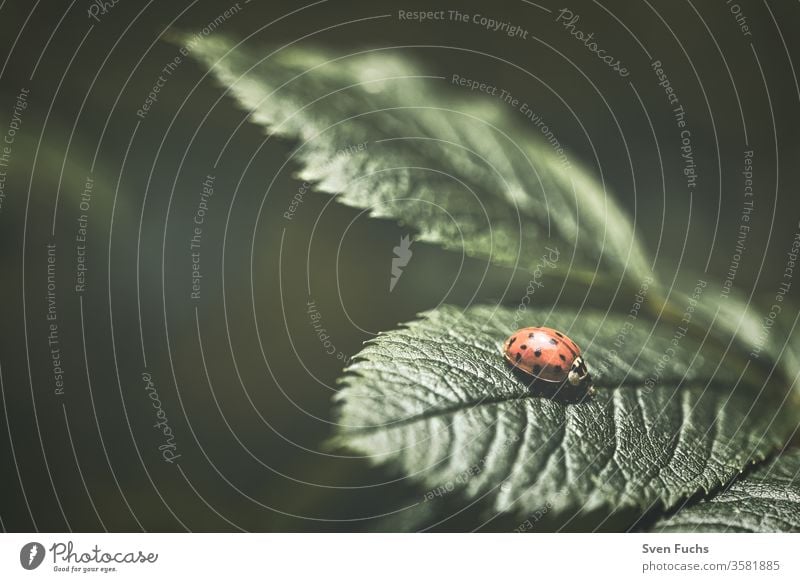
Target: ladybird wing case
pixel 542 352
pixel 534 351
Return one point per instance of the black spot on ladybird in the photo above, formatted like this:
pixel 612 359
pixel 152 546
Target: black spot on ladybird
pixel 530 335
pixel 512 340
pixel 537 353
pixel 559 334
pixel 563 357
pixel 518 357
pixel 523 347
pixel 554 341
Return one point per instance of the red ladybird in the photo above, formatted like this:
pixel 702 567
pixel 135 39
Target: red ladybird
pixel 547 355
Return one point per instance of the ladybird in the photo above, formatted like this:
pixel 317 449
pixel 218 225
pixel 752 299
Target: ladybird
pixel 549 356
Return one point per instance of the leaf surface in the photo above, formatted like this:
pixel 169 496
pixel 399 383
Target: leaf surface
pixel 468 173
pixel 671 417
pixel 766 501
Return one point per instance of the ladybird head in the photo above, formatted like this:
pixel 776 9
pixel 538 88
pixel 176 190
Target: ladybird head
pixel 578 374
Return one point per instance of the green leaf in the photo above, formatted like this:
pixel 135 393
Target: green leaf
pixel 472 174
pixel 672 417
pixel 766 501
pixel 469 173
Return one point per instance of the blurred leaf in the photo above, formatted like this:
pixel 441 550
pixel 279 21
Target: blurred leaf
pixel 437 400
pixel 766 501
pixel 467 172
pixel 747 327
